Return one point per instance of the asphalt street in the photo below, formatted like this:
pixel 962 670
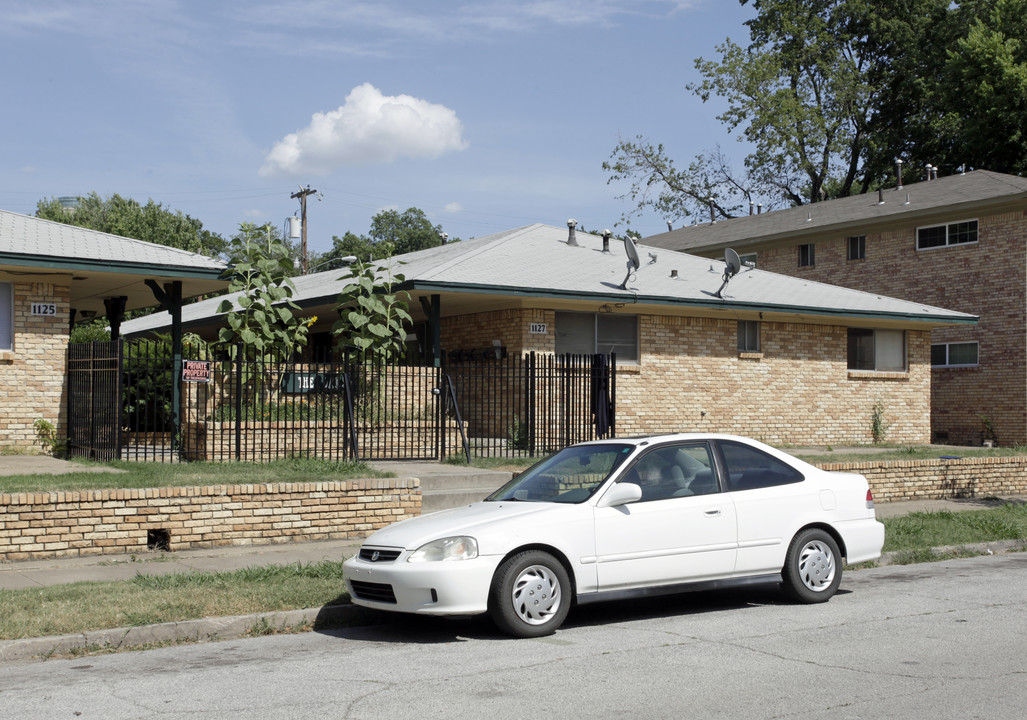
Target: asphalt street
pixel 940 640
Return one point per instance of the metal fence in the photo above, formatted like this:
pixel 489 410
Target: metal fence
pixel 122 403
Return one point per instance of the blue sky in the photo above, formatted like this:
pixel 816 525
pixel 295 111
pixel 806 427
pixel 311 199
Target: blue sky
pixel 487 115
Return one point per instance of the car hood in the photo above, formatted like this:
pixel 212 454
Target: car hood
pixel 476 520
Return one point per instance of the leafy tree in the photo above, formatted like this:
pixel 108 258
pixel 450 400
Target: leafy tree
pixel 405 232
pixel 372 316
pixel 830 92
pixel 266 321
pixel 151 222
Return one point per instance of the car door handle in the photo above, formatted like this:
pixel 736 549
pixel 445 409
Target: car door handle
pixel 712 512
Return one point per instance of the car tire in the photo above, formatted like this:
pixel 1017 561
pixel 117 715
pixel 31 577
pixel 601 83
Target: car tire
pixel 813 567
pixel 530 594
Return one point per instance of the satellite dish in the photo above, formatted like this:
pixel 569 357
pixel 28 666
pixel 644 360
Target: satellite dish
pixel 632 251
pixel 633 261
pixel 732 264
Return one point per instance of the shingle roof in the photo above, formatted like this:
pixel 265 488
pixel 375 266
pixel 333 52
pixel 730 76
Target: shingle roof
pixel 536 262
pixel 47 241
pixel 909 205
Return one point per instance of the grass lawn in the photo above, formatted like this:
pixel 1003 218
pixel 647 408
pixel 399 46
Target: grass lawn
pixel 886 453
pixel 147 475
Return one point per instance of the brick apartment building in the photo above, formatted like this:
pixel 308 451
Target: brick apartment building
pixel 767 358
pixel 958 242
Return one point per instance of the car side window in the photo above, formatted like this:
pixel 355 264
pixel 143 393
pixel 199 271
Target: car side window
pixel 747 468
pixel 674 471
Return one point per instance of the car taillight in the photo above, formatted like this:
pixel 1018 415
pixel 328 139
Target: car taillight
pixel 870 500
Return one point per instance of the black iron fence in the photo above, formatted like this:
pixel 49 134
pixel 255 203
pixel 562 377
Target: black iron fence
pixel 122 403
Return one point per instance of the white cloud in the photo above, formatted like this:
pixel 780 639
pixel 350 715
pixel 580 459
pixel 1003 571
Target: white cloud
pixel 453 207
pixel 369 129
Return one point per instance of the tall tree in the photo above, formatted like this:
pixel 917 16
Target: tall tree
pixel 405 231
pixel 151 222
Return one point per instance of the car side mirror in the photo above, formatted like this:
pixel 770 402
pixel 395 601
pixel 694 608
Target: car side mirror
pixel 621 494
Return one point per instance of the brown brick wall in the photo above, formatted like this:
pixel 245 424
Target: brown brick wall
pixel 98 522
pixel 797 390
pixel 32 373
pixel 986 279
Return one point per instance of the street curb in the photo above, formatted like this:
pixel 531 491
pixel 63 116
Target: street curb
pixel 993 547
pixel 238 626
pixel 204 629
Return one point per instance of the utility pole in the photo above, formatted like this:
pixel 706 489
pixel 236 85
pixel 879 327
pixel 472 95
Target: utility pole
pixel 302 195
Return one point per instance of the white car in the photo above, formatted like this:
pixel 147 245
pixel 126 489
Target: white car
pixel 617 518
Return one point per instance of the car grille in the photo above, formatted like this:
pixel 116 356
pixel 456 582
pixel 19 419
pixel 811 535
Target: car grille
pixel 376 592
pixel 373 555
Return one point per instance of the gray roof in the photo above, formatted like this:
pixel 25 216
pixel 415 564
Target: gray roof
pixel 947 197
pixel 33 239
pixel 535 266
pixel 99 265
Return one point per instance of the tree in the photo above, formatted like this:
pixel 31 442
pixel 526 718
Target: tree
pixel 126 217
pixel 406 232
pixel 266 321
pixel 829 93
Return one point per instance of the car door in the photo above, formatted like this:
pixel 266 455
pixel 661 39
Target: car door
pixel 682 529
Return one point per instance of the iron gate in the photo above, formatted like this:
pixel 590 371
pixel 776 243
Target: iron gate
pixel 120 405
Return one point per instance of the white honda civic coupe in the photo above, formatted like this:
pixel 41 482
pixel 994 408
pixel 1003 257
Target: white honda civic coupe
pixel 615 518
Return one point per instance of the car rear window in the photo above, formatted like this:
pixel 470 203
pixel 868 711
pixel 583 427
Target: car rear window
pixel 750 469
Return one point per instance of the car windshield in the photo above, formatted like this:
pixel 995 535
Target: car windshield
pixel 569 476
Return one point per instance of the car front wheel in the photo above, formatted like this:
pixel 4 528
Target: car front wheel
pixel 813 569
pixel 530 594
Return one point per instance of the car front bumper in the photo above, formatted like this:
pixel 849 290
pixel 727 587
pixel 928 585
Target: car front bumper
pixel 455 587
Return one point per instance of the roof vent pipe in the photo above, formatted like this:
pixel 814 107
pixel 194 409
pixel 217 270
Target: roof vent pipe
pixel 898 172
pixel 444 237
pixel 571 239
pixel 750 207
pixel 673 273
pixel 606 241
pixel 929 172
pixel 880 196
pixel 669 226
pixel 713 216
pixel 759 208
pixel 935 171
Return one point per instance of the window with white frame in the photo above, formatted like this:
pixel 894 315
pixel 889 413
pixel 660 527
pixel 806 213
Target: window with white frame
pixel 748 336
pixel 956 354
pixel 807 255
pixel 6 316
pixel 880 350
pixel 935 236
pixel 588 333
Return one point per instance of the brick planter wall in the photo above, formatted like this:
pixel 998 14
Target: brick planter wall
pixel 98 522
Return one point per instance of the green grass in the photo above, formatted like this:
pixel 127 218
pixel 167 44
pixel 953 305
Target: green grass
pixel 150 599
pixel 921 531
pixel 879 453
pixel 132 475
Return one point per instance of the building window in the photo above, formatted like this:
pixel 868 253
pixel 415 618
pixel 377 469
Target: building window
pixel 605 333
pixel 960 354
pixel 935 236
pixel 748 260
pixel 748 336
pixel 858 247
pixel 806 255
pixel 6 316
pixel 880 350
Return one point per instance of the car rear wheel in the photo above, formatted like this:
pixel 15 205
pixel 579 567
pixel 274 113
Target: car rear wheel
pixel 530 594
pixel 813 570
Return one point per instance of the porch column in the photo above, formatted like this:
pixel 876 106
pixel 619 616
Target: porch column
pixel 170 299
pixel 433 312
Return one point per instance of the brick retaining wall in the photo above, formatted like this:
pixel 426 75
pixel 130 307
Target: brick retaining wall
pixel 935 479
pixel 100 522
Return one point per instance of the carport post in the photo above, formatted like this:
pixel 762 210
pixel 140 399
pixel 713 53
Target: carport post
pixel 170 299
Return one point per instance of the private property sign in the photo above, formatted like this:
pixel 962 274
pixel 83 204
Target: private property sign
pixel 196 371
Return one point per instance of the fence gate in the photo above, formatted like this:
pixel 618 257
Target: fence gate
pixel 94 400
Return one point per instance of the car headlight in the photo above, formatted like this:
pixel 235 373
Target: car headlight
pixel 451 548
